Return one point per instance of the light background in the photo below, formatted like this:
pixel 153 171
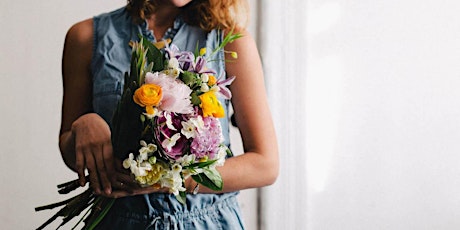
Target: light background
pixel 364 95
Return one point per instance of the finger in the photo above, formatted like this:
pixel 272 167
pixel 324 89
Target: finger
pixel 138 191
pixel 108 174
pixel 101 169
pixel 80 166
pixel 118 194
pixel 92 171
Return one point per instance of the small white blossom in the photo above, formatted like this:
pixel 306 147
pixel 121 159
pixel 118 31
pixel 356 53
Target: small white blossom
pixel 198 123
pixel 204 87
pixel 186 160
pixel 188 129
pixel 221 155
pixel 176 168
pixel 175 72
pixel 168 143
pixel 138 170
pixel 173 181
pixel 169 123
pixel 173 63
pixel 129 161
pixel 205 77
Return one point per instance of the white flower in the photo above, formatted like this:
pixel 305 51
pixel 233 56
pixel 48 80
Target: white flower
pixel 170 142
pixel 152 147
pixel 142 156
pixel 176 168
pixel 198 123
pixel 175 72
pixel 173 63
pixel 204 87
pixel 139 170
pixel 205 77
pixel 188 129
pixel 169 123
pixel 146 150
pixel 173 181
pixel 129 161
pixel 186 160
pixel 221 155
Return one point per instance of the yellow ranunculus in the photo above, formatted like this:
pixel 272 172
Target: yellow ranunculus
pixel 211 105
pixel 148 96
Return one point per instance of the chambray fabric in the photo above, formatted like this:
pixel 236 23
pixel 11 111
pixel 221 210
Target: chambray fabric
pixel 110 61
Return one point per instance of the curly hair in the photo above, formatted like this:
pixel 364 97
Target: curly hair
pixel 207 14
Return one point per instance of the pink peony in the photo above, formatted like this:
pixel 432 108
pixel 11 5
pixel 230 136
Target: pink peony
pixel 176 95
pixel 208 139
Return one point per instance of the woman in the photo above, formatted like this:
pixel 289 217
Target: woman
pixel 95 57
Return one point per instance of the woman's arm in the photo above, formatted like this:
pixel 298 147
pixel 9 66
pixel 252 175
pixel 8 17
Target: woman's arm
pixel 84 138
pixel 259 165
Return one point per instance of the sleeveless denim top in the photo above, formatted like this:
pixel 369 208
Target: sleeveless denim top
pixel 110 61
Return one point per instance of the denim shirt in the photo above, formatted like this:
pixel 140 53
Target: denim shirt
pixel 112 54
pixel 111 59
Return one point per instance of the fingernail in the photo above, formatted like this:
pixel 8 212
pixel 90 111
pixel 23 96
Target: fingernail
pixel 108 191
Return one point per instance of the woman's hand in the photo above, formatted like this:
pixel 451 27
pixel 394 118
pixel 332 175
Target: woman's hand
pixel 93 151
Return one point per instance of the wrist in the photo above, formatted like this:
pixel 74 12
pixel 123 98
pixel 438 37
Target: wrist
pixel 192 187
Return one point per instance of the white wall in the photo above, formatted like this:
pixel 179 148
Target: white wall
pixel 380 84
pixel 384 139
pixel 364 96
pixel 30 63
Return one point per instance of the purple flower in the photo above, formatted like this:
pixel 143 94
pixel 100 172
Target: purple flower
pixel 200 66
pixel 185 58
pixel 222 83
pixel 168 135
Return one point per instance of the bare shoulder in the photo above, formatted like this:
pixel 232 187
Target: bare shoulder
pixel 80 35
pixel 243 43
pixel 248 63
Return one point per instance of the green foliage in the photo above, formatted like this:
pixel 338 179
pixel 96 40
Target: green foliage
pixel 210 178
pixel 153 54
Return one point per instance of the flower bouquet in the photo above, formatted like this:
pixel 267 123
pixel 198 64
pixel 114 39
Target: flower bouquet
pixel 166 123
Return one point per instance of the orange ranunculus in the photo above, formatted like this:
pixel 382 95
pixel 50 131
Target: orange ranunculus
pixel 211 105
pixel 212 80
pixel 148 96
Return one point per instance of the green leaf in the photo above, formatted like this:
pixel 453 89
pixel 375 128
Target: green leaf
pixel 201 164
pixel 229 153
pixel 210 178
pixel 154 55
pixel 96 218
pixel 182 198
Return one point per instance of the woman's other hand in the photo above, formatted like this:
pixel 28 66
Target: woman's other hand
pixel 93 151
